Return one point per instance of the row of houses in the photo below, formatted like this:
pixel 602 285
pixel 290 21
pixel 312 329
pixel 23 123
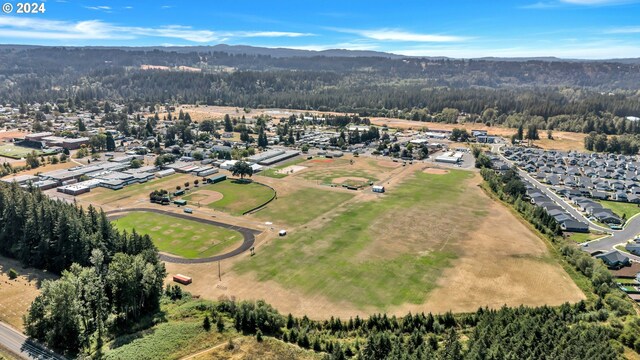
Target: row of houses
pixel 599 176
pixel 566 220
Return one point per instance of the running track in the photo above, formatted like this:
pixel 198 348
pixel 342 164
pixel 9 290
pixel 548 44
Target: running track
pixel 249 235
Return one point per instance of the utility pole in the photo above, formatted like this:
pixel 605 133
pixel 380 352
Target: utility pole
pixel 219 274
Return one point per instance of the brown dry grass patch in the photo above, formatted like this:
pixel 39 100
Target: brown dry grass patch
pixel 17 295
pixel 207 196
pixel 435 171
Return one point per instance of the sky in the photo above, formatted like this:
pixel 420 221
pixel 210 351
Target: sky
pixel 585 29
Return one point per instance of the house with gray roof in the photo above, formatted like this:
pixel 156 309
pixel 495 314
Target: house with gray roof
pixel 614 259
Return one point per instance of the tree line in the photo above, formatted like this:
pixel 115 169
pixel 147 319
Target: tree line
pixel 110 279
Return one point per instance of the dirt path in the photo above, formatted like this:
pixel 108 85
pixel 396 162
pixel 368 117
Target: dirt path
pixel 208 350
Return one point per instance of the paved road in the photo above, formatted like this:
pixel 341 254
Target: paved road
pixel 248 235
pixel 607 243
pixel 18 344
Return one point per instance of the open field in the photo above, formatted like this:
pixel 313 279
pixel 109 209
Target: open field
pixel 237 197
pixel 16 295
pixel 302 206
pixel 362 259
pixel 339 171
pixel 16 152
pixel 275 172
pixel 622 209
pixel 127 196
pixel 180 237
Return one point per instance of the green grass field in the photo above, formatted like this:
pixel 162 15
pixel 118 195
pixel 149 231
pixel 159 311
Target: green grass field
pixel 302 206
pixel 325 261
pixel 237 197
pixel 180 237
pixel 273 172
pixel 622 209
pixel 17 152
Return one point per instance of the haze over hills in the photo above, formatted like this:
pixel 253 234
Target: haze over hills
pixel 283 52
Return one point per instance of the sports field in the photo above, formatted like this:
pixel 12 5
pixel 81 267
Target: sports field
pixel 186 238
pixel 302 206
pixel 432 237
pixel 274 171
pixel 237 197
pixel 345 258
pixel 16 152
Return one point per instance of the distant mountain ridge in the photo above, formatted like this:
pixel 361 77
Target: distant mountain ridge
pixel 283 52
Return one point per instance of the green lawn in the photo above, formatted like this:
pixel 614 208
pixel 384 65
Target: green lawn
pixel 622 209
pixel 273 172
pixel 626 281
pixel 583 237
pixel 302 206
pixel 238 197
pixel 180 237
pixel 16 152
pixel 328 261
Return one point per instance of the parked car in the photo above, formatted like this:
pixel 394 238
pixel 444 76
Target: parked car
pixel 188 210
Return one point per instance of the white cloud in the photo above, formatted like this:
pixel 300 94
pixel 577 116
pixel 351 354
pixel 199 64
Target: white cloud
pixel 624 30
pixel 99 8
pixel 250 34
pixel 30 28
pixel 400 35
pixel 597 2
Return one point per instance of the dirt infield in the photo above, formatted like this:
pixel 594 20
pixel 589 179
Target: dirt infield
pixel 207 197
pixel 291 169
pixel 388 164
pixel 435 171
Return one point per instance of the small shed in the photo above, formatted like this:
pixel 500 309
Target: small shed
pixel 378 188
pixel 182 279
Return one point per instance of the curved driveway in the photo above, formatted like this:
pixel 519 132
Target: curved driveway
pixel 247 234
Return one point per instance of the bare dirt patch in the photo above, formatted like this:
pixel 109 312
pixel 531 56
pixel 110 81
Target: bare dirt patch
pixel 209 196
pixel 388 164
pixel 435 171
pixel 291 169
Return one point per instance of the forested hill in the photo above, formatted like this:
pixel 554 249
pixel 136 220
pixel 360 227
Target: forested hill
pixel 605 75
pixel 369 84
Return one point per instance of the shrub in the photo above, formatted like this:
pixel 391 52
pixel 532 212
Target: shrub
pixel 13 274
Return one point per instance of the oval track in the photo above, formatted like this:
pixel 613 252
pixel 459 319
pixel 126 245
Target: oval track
pixel 249 235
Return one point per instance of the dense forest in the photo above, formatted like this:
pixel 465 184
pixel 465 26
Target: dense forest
pixel 369 85
pixel 110 280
